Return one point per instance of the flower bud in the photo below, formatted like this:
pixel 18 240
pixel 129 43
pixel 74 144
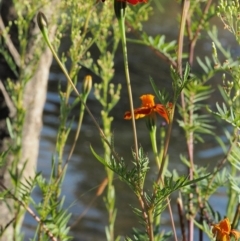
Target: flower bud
pixel 42 21
pixel 118 7
pixel 87 85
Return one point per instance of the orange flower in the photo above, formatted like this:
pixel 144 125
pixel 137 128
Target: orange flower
pixel 148 108
pixel 223 232
pixel 134 2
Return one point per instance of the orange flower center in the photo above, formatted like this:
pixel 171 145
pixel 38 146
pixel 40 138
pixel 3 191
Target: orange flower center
pixel 222 231
pixel 147 100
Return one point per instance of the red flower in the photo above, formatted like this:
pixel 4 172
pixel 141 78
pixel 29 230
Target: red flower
pixel 223 232
pixel 148 108
pixel 134 2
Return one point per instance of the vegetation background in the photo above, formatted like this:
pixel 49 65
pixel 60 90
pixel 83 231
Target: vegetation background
pixel 97 52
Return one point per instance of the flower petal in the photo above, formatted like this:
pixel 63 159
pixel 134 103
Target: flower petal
pixel 222 230
pixel 147 100
pixel 138 113
pixel 161 110
pixel 236 234
pixel 225 225
pixel 220 234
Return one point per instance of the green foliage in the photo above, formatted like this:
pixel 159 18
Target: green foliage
pixel 7 57
pixel 95 34
pixel 159 44
pixel 138 235
pixel 229 111
pixel 3 156
pixel 134 176
pixel 193 120
pixel 228 12
pixel 138 14
pixel 179 83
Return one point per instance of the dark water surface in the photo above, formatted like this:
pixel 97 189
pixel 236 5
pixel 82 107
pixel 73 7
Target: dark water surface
pixel 85 173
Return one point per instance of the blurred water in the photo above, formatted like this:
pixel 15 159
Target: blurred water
pixel 84 173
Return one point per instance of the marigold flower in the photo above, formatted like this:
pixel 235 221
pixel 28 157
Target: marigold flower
pixel 223 232
pixel 133 2
pixel 148 108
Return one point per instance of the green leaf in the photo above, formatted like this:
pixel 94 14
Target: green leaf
pixel 99 158
pixel 162 95
pixel 186 72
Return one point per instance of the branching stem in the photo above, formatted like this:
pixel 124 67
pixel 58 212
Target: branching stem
pixel 125 57
pixel 30 211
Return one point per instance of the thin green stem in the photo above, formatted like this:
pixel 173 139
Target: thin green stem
pixel 30 211
pixel 150 223
pixel 110 204
pixel 161 164
pixel 236 216
pixel 45 35
pixel 110 196
pixel 186 6
pixel 102 134
pixel 81 114
pixel 60 175
pixel 185 10
pixel 125 57
pixel 194 38
pixel 166 145
pixel 152 133
pixel 147 215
